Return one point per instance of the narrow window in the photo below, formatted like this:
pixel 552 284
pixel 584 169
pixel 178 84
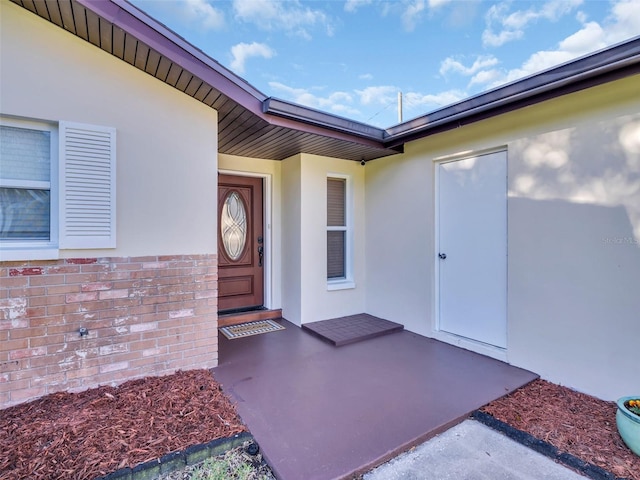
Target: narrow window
pixel 336 228
pixel 339 233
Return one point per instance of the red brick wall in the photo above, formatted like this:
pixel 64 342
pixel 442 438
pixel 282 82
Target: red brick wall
pixel 145 316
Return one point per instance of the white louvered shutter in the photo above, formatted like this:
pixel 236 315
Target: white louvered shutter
pixel 87 186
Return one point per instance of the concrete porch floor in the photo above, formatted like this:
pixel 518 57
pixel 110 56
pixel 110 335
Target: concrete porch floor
pixel 321 412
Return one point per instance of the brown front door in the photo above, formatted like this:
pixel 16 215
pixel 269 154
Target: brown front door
pixel 240 243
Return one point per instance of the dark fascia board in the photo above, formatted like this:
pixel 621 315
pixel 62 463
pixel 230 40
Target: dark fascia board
pixel 623 57
pixel 292 111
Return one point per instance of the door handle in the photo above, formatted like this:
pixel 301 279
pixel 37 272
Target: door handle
pixel 260 250
pixel 442 256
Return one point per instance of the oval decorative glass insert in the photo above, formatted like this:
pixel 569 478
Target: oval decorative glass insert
pixel 233 225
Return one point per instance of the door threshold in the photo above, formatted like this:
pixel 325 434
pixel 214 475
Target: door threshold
pixel 228 319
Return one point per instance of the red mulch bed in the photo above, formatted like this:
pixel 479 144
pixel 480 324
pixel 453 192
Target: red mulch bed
pixel 89 434
pixel 573 422
pixel 96 432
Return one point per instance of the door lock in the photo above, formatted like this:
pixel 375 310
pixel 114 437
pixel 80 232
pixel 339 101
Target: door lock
pixel 442 256
pixel 260 250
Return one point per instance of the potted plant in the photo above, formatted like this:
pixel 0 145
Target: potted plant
pixel 628 421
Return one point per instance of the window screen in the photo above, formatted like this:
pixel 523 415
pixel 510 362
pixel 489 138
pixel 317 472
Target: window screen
pixel 25 183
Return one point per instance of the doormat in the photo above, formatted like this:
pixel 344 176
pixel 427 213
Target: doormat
pixel 351 329
pixel 250 328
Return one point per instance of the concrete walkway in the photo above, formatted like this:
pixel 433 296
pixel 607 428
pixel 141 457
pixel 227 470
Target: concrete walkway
pixel 471 451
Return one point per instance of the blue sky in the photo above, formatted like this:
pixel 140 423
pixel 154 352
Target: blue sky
pixel 352 57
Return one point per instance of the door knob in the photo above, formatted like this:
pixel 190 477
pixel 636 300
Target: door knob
pixel 442 256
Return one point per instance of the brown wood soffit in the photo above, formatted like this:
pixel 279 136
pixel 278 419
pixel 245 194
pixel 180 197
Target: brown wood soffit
pixel 253 125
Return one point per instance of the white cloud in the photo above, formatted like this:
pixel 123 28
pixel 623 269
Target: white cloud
pixel 485 77
pixel 209 16
pixel 352 6
pixel 380 95
pixel 414 100
pixel 289 16
pixel 491 39
pixel 365 76
pixel 243 51
pixel 537 62
pixel 481 62
pixel 625 19
pixel 412 13
pixel 590 38
pixel 197 12
pixel 622 23
pixel 496 15
pixel 387 96
pixel 581 17
pixel 551 10
pixel 504 26
pixel 438 3
pixel 337 102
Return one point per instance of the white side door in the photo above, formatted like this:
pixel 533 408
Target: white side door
pixel 472 243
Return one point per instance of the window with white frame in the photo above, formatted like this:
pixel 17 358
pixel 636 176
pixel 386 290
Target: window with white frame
pixel 57 188
pixel 339 235
pixel 28 188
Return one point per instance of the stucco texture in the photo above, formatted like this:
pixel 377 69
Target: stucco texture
pixel 306 297
pixel 573 235
pixel 166 141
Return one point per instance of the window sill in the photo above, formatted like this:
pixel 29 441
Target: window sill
pixel 341 285
pixel 25 254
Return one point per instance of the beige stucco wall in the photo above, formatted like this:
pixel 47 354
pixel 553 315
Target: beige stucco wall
pixel 318 302
pixel 399 240
pixel 573 234
pixel 305 294
pixel 291 239
pixel 166 142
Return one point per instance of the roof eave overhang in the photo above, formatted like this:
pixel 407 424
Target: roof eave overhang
pixel 129 18
pixel 604 66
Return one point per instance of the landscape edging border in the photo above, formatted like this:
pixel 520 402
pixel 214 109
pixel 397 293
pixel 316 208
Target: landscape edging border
pixel 587 469
pixel 177 460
